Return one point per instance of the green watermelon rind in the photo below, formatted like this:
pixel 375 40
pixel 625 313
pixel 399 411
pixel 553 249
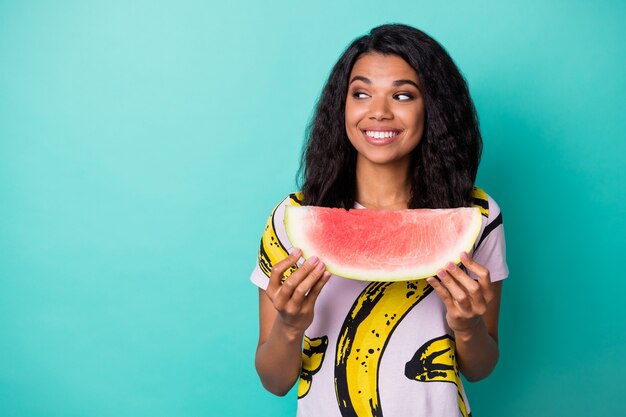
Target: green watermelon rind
pixel 294 233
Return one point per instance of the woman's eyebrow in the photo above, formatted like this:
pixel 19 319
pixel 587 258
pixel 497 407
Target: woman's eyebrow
pixel 396 83
pixel 360 78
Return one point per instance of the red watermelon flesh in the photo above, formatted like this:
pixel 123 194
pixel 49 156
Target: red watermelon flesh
pixel 383 245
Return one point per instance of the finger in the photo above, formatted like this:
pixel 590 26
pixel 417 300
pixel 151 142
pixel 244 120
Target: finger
pixel 279 269
pixel 307 283
pixel 461 298
pixel 317 289
pixel 443 292
pixel 481 272
pixel 467 283
pixel 289 286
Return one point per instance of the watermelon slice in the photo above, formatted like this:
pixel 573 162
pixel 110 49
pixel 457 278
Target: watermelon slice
pixel 383 245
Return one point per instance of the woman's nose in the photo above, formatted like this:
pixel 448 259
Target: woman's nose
pixel 380 109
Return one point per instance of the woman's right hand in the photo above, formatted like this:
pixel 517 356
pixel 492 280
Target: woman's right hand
pixel 285 312
pixel 294 298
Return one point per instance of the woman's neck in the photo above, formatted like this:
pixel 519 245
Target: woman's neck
pixel 382 186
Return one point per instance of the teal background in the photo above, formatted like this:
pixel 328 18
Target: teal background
pixel 143 144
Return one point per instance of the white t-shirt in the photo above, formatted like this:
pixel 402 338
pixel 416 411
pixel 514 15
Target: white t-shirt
pixel 381 348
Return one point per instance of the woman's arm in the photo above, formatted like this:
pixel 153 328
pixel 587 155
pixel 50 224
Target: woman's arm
pixel 477 349
pixel 472 313
pixel 285 312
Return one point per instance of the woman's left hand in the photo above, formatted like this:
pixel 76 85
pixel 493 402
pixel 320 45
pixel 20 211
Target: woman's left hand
pixel 466 299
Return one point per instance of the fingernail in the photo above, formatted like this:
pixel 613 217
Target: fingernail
pixel 441 273
pixel 313 260
pixel 450 266
pixel 464 257
pixel 327 275
pixel 320 266
pixel 296 252
pixel 430 280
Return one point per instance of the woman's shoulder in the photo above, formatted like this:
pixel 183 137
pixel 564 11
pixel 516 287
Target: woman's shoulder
pixel 275 245
pixel 490 246
pixel 275 219
pixel 293 199
pixel 489 208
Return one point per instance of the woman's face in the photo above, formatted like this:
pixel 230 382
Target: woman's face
pixel 384 109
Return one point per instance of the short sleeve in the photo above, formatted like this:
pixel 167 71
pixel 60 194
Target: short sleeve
pixel 275 245
pixel 490 247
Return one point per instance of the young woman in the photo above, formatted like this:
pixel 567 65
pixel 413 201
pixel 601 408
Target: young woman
pixel 395 128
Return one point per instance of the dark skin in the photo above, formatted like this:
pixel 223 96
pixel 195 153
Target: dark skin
pixel 473 307
pixel 385 97
pixel 286 311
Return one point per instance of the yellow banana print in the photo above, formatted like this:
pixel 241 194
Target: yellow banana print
pixel 436 361
pixel 480 201
pixel 313 353
pixel 362 341
pixel 272 250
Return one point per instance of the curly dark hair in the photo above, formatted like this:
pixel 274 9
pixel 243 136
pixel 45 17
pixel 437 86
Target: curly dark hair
pixel 444 164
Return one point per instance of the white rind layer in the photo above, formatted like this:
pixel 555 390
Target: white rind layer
pixel 295 216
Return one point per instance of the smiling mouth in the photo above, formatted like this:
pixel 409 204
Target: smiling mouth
pixel 380 137
pixel 381 134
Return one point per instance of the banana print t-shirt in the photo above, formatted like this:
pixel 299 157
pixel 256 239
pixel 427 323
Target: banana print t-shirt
pixel 381 348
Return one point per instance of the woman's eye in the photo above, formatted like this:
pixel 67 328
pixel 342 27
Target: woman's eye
pixel 358 94
pixel 404 97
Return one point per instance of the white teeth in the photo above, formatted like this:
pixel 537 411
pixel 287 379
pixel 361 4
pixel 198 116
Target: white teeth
pixel 379 135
